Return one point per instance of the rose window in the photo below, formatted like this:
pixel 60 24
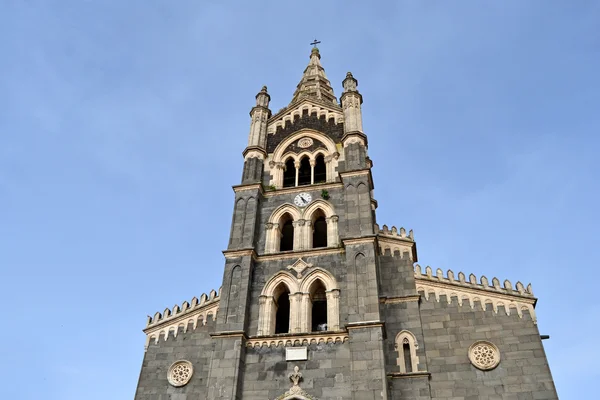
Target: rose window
pixel 484 355
pixel 180 373
pixel 305 142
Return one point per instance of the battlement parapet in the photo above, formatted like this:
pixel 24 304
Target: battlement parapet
pixel 520 289
pixel 205 301
pixel 394 232
pixel 473 292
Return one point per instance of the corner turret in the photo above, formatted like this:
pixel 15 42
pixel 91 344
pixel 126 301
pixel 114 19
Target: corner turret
pixel 256 152
pixel 354 140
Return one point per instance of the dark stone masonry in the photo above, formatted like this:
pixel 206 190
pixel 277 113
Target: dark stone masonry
pixel 318 301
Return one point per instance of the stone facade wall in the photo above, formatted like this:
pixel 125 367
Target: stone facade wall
pixel 194 345
pixel 326 374
pixel 449 330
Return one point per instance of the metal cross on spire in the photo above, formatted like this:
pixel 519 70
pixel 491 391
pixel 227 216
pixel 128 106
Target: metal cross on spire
pixel 315 43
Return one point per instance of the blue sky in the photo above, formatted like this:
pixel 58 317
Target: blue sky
pixel 122 126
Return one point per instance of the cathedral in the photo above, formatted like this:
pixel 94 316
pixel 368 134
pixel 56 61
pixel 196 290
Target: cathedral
pixel 321 301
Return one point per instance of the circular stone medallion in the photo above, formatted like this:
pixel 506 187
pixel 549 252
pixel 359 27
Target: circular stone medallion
pixel 305 142
pixel 180 373
pixel 484 355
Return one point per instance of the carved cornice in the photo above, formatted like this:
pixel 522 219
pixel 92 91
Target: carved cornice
pixel 306 339
pixel 301 253
pixel 418 374
pixel 359 240
pixel 250 186
pixel 240 253
pixel 228 334
pixel 364 324
pixel 306 188
pixel 399 299
pixel 357 172
pixel 355 135
pixel 259 150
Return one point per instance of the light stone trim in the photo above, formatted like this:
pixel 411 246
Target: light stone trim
pixel 484 355
pixel 300 189
pixel 394 232
pixel 475 294
pixel 407 337
pixel 254 154
pixel 297 340
pixel 171 320
pixel 251 186
pixel 180 373
pixel 303 219
pixel 276 161
pixel 279 120
pixel 399 299
pixel 300 301
pixel 397 244
pixel 302 253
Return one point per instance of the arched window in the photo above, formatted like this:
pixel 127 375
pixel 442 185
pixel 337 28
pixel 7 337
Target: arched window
pixel 406 346
pixel 318 301
pixel 304 172
pixel 287 233
pixel 282 305
pixel 319 233
pixel 289 174
pixel 320 169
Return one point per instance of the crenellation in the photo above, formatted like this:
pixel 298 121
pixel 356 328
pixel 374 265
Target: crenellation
pixel 185 308
pixel 394 232
pixel 483 285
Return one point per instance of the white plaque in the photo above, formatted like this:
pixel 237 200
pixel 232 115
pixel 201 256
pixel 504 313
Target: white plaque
pixel 296 353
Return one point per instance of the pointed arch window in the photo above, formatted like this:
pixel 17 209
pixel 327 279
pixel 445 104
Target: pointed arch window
pixel 406 346
pixel 320 170
pixel 304 172
pixel 286 242
pixel 319 233
pixel 318 307
pixel 282 309
pixel 289 173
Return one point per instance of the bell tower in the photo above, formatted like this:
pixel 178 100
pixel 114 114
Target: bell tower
pixel 316 293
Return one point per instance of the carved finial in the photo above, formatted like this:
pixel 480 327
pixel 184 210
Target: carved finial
pixel 166 313
pixel 461 277
pixel 507 285
pixel 402 232
pixel 194 301
pixel 213 294
pixel 411 235
pixel 428 271
pixel 395 231
pixel 520 288
pixel 295 377
pixel 203 299
pixel 529 289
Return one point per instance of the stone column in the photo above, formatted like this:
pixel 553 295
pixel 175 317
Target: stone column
pixel 306 313
pixel 271 236
pixel 312 171
pixel 332 231
pixel 299 227
pixel 297 165
pixel 295 312
pixel 333 309
pixel 264 308
pixel 308 237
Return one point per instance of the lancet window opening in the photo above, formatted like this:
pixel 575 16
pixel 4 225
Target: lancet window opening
pixel 286 241
pixel 406 346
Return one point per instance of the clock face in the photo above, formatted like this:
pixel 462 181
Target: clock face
pixel 302 199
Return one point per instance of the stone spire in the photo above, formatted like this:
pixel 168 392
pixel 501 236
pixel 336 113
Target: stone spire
pixel 314 83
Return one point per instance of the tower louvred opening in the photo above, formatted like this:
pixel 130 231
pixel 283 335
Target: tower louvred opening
pixel 320 169
pixel 319 307
pixel 289 175
pixel 304 172
pixel 287 234
pixel 282 316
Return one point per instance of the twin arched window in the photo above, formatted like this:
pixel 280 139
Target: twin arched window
pixel 307 171
pixel 290 228
pixel 290 304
